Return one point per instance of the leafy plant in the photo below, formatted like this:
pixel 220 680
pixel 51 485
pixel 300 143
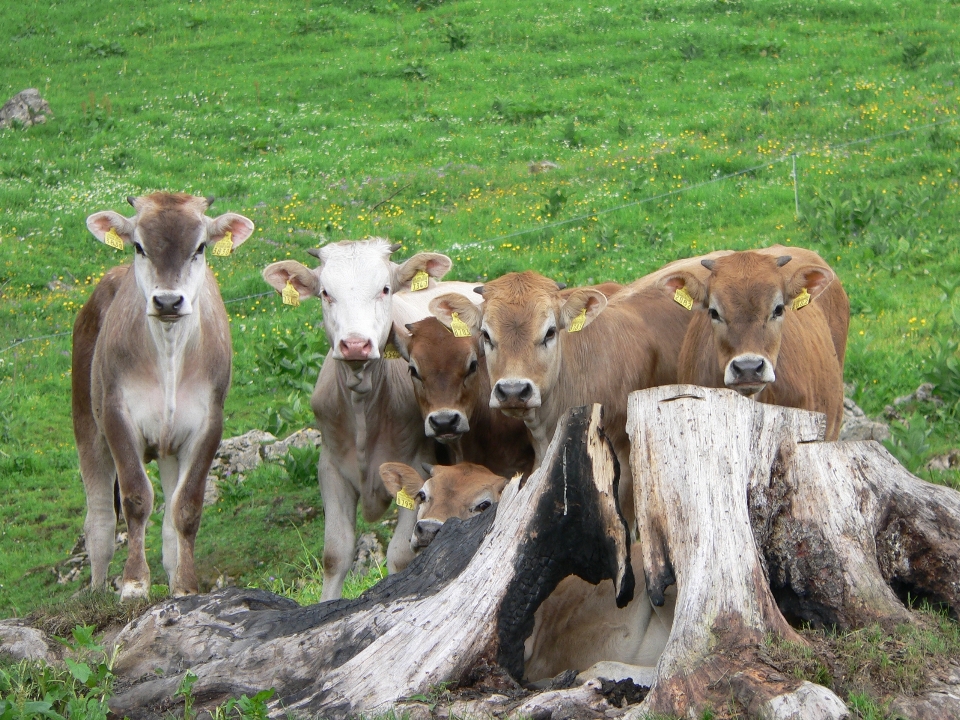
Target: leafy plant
pixel 103 48
pixel 301 465
pixel 913 53
pixel 556 199
pixel 456 37
pixel 185 691
pixel 245 708
pixel 909 442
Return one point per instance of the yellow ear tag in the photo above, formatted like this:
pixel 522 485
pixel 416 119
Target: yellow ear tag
pixel 405 501
pixel 684 298
pixel 390 352
pixel 420 281
pixel 578 322
pixel 459 327
pixel 290 295
pixel 801 300
pixel 113 240
pixel 222 248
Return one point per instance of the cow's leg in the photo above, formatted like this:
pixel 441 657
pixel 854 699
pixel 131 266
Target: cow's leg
pixel 136 498
pixel 625 490
pixel 399 552
pixel 99 477
pixel 340 499
pixel 169 478
pixel 194 464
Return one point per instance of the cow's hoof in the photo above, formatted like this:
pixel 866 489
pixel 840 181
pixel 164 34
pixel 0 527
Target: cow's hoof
pixel 134 590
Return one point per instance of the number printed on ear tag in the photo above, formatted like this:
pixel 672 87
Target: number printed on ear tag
pixel 801 300
pixel 459 327
pixel 420 281
pixel 405 501
pixel 578 322
pixel 290 295
pixel 223 248
pixel 113 240
pixel 390 352
pixel 684 298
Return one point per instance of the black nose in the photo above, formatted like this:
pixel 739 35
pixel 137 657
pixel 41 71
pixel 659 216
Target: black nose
pixel 515 391
pixel 425 531
pixel 445 422
pixel 747 369
pixel 168 303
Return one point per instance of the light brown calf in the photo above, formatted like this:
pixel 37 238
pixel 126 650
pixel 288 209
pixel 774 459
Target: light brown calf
pixel 151 369
pixel 770 326
pixel 549 350
pixel 452 386
pixel 579 624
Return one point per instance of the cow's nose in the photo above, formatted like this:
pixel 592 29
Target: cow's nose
pixel 355 349
pixel 425 531
pixel 445 422
pixel 748 368
pixel 513 391
pixel 168 303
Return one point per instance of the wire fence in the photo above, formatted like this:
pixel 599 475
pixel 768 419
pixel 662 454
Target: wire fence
pixel 791 156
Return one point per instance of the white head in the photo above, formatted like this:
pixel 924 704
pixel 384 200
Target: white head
pixel 356 282
pixel 169 233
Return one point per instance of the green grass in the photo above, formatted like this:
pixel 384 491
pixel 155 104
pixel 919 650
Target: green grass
pixel 417 121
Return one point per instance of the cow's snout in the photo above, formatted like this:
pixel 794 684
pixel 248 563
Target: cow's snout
pixel 352 349
pixel 515 394
pixel 748 374
pixel 168 305
pixel 446 424
pixel 424 532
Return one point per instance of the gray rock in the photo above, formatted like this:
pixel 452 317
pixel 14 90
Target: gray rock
pixel 857 426
pixel 945 462
pixel 22 642
pixel 369 554
pixel 235 457
pixel 299 439
pixel 26 108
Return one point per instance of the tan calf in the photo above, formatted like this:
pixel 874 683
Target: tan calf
pixel 770 327
pixel 452 386
pixel 151 369
pixel 579 624
pixel 549 350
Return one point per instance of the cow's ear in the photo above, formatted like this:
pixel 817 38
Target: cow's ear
pixel 498 487
pixel 102 223
pixel 303 279
pixel 445 306
pixel 433 264
pixel 239 227
pixel 812 278
pixel 581 308
pixel 400 338
pixel 397 475
pixel 684 282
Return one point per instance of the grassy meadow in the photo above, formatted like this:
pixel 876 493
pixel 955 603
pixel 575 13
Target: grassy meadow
pixel 671 129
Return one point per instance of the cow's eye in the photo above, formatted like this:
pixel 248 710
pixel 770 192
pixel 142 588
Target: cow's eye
pixel 485 336
pixel 472 368
pixel 714 315
pixel 550 335
pixel 385 291
pixel 200 250
pixel 482 506
pixel 778 311
pixel 414 374
pixel 420 497
pixel 326 296
pixel 139 248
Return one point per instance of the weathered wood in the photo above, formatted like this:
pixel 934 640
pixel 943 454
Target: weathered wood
pixel 468 600
pixel 742 509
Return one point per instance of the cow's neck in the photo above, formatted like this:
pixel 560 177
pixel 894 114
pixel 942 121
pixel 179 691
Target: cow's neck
pixel 171 344
pixel 364 382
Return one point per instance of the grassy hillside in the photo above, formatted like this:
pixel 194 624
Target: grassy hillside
pixel 672 126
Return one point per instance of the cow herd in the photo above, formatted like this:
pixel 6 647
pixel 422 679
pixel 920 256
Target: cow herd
pixel 434 393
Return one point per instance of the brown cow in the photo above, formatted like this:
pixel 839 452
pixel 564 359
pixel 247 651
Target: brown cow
pixel 771 326
pixel 151 369
pixel 547 352
pixel 579 624
pixel 452 386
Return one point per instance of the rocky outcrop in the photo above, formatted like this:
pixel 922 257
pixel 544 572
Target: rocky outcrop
pixel 24 109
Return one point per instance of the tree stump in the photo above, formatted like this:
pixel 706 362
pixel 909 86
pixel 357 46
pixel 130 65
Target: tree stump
pixel 753 519
pixel 467 602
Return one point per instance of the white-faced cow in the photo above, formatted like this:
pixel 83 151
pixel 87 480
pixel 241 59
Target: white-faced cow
pixel 548 351
pixel 771 325
pixel 151 369
pixel 579 624
pixel 452 388
pixel 364 404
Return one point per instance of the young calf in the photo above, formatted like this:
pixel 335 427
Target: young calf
pixel 363 402
pixel 151 369
pixel 768 326
pixel 579 624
